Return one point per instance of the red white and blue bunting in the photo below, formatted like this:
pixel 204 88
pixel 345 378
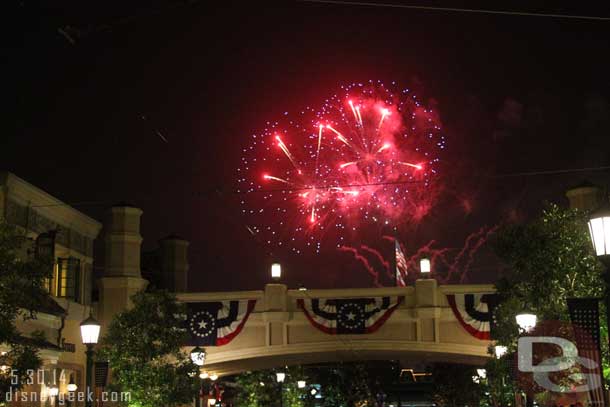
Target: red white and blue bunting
pixel 216 323
pixel 474 312
pixel 349 315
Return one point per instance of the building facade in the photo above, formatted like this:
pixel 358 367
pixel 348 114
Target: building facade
pixel 68 235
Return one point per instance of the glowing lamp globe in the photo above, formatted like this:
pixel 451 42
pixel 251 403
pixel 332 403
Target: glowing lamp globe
pixel 301 384
pixel 213 377
pixel 599 229
pixel 71 387
pixel 424 265
pixel 204 375
pixel 53 391
pixel 280 377
pixel 500 351
pixel 276 271
pixel 526 321
pixel 212 401
pixel 90 331
pixel 482 373
pixel 198 356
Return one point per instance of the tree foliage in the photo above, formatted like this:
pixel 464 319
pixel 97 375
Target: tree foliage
pixel 342 385
pixel 143 347
pixel 23 278
pixel 453 385
pixel 549 259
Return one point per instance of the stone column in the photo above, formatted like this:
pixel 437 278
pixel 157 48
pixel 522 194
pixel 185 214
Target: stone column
pixel 122 276
pixel 586 197
pixel 275 315
pixel 428 311
pixel 174 263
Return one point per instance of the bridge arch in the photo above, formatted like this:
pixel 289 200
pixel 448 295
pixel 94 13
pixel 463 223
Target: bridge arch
pixel 423 328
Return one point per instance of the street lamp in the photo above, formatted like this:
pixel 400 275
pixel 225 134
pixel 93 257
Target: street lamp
pixel 424 265
pixel 198 356
pixel 482 373
pixel 599 228
pixel 526 321
pixel 71 387
pixel 301 384
pixel 500 351
pixel 280 377
pixel 276 271
pixel 90 332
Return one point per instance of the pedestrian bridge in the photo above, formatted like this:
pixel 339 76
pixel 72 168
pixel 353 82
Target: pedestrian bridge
pixel 423 328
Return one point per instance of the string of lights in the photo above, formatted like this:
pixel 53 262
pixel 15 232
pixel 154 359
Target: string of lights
pixel 237 192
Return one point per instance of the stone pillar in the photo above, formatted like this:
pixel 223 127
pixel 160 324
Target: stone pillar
pixel 174 263
pixel 275 314
pixel 586 197
pixel 428 310
pixel 122 276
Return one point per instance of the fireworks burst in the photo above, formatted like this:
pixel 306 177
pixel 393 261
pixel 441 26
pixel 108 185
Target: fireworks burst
pixel 367 158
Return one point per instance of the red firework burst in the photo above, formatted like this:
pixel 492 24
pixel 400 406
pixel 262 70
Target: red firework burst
pixel 366 159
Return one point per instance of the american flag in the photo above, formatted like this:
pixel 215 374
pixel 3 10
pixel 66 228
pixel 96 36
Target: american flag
pixel 401 265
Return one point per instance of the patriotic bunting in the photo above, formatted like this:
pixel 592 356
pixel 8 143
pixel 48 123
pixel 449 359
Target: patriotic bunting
pixel 216 323
pixel 349 315
pixel 474 312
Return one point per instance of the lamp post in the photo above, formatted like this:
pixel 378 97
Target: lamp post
pixel 526 321
pixel 599 229
pixel 90 332
pixel 198 356
pixel 280 377
pixel 424 265
pixel 276 271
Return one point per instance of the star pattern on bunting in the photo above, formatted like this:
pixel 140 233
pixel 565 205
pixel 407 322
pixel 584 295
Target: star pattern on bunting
pixel 350 315
pixel 202 324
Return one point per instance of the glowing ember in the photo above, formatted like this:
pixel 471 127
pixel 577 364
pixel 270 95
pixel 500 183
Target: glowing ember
pixel 367 158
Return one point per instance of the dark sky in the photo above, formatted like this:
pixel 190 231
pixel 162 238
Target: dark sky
pixel 515 93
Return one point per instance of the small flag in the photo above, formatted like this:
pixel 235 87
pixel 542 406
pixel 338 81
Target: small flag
pixel 401 265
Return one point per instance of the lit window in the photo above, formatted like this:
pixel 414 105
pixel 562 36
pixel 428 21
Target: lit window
pixel 68 278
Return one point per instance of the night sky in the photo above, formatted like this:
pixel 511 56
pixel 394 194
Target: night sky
pixel 153 102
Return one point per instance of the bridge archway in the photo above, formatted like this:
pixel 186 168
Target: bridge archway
pixel 422 329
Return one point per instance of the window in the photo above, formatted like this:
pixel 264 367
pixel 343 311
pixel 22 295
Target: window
pixel 68 278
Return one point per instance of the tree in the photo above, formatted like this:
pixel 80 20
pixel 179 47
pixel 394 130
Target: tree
pixel 260 388
pixel 454 385
pixel 23 278
pixel 549 259
pixel 143 347
pixel 342 385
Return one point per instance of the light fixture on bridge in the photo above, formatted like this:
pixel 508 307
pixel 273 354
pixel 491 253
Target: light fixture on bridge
pixel 500 351
pixel 213 377
pixel 280 377
pixel 276 271
pixel 198 356
pixel 526 321
pixel 482 373
pixel 204 375
pixel 301 384
pixel 424 265
pixel 212 401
